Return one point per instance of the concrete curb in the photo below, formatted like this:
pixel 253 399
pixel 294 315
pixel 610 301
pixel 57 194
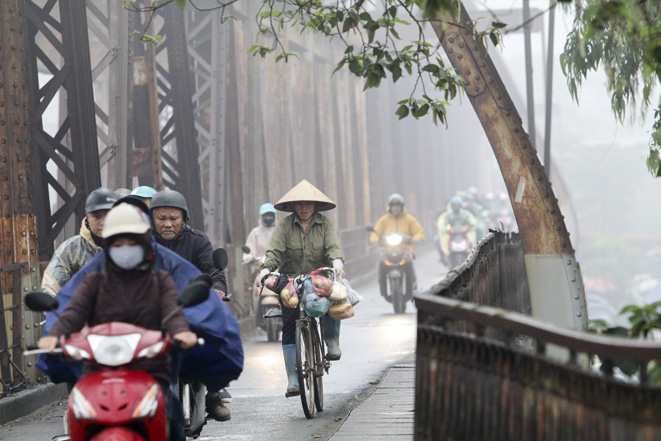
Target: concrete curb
pixel 30 400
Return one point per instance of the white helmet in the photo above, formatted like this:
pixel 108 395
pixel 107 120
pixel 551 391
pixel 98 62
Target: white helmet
pixel 395 198
pixel 125 219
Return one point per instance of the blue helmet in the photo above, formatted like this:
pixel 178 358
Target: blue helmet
pixel 144 192
pixel 456 200
pixel 266 208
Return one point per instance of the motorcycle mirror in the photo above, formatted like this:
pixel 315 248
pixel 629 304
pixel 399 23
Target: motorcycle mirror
pixel 370 228
pixel 41 301
pixel 220 258
pixel 245 249
pixel 201 278
pixel 193 294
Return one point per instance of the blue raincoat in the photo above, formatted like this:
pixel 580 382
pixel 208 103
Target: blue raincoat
pixel 216 363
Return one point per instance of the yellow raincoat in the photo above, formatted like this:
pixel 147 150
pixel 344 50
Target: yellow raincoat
pixel 404 223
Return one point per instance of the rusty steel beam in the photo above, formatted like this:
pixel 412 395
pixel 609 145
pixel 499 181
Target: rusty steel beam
pixel 18 223
pixel 556 286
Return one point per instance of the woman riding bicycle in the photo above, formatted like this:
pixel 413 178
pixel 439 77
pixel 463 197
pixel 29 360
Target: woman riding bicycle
pixel 301 243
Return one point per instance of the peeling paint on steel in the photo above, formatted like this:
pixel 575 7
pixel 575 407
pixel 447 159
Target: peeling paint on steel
pixel 519 190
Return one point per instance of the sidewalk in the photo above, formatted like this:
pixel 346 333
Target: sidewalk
pixel 387 414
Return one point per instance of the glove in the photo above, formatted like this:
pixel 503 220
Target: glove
pixel 263 273
pixel 338 266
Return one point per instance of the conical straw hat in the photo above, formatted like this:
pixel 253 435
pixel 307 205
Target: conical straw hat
pixel 304 191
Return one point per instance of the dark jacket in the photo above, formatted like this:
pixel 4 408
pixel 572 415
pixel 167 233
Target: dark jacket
pixel 195 247
pixel 142 297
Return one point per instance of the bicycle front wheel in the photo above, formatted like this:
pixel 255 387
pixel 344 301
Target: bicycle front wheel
pixel 305 366
pixel 319 366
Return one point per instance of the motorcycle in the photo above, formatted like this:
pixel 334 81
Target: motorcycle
pixel 192 394
pixel 264 300
pixel 115 403
pixel 459 245
pixel 394 259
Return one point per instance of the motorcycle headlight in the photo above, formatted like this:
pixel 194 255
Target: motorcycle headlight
pixel 76 353
pixel 151 351
pixel 148 404
pixel 394 239
pixel 114 350
pixel 82 409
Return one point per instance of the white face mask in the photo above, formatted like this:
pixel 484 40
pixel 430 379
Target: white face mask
pixel 127 256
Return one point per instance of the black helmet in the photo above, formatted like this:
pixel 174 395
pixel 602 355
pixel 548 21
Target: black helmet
pixel 100 199
pixel 170 198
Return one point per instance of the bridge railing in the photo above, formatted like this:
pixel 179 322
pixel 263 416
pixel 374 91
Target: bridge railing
pixel 485 373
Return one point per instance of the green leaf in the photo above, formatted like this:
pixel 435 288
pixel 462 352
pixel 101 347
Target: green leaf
pixel 348 24
pixel 422 111
pixel 396 73
pixel 494 38
pixel 402 111
pixel 354 66
pixel 498 25
pixel 181 4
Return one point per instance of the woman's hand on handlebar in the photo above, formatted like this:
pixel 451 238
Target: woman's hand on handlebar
pixel 48 342
pixel 187 339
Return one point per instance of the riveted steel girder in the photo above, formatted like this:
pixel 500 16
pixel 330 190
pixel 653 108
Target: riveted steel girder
pixel 19 254
pixel 554 277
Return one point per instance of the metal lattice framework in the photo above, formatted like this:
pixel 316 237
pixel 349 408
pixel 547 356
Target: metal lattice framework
pixel 59 50
pixel 207 42
pixel 179 153
pixel 109 24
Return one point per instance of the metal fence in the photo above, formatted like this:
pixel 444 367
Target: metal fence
pixel 484 373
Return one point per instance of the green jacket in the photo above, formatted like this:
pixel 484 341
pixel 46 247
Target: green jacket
pixel 292 251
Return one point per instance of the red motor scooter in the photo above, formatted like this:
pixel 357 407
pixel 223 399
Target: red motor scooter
pixel 116 403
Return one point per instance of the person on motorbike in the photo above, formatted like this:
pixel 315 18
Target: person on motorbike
pixel 301 243
pixel 260 236
pixel 480 214
pixel 397 220
pixel 128 278
pixel 74 253
pixel 455 216
pixel 215 364
pixel 144 193
pixel 169 215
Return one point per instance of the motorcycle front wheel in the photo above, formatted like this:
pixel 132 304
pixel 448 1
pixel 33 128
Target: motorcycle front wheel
pixel 398 295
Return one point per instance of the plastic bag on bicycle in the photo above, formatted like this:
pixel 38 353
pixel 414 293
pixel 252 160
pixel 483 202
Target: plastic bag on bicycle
pixel 289 295
pixel 323 286
pixel 314 305
pixel 341 310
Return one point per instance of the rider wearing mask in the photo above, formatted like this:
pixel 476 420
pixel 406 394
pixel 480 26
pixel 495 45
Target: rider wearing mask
pixel 260 236
pixel 302 242
pixel 397 220
pixel 169 215
pixel 127 279
pixel 215 364
pixel 73 254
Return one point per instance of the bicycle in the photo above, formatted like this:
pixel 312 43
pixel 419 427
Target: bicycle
pixel 311 361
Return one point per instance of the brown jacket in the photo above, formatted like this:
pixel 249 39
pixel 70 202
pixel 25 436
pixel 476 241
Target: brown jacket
pixel 140 297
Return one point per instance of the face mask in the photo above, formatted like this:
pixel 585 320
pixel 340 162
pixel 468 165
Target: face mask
pixel 127 256
pixel 268 221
